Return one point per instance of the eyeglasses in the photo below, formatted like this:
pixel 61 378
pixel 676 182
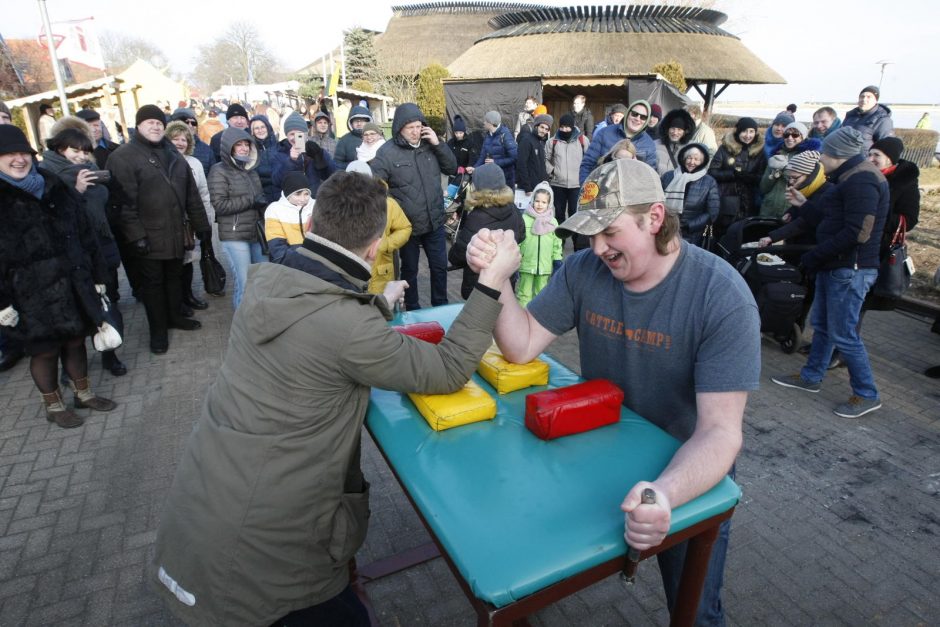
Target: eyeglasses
pixel 191 122
pixel 793 134
pixel 636 114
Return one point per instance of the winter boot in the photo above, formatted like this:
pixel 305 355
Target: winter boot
pixel 85 398
pixel 57 412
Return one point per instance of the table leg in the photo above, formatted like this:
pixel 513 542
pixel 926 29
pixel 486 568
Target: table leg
pixel 693 577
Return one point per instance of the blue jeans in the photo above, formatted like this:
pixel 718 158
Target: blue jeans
pixel 240 256
pixel 836 307
pixel 710 611
pixel 435 248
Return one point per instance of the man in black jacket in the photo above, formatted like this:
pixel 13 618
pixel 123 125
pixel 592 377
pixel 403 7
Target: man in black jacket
pixel 851 219
pixel 530 164
pixel 412 163
pixel 157 196
pixel 236 116
pixel 103 147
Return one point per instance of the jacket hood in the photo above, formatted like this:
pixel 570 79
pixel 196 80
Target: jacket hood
pixel 677 118
pixel 575 134
pixel 702 148
pixel 230 137
pixel 358 112
pixel 905 172
pixel 321 114
pixel 404 114
pixel 271 140
pixel 544 187
pixel 626 116
pixel 734 147
pixel 278 297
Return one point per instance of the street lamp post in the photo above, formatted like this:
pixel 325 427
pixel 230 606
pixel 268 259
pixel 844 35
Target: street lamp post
pixel 883 63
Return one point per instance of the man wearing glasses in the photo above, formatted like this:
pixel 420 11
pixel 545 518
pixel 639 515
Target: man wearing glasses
pixel 632 128
pixel 201 150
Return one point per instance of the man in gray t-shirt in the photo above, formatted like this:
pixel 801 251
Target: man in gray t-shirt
pixel 674 326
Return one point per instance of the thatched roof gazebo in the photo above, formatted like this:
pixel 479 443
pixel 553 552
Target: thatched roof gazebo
pixel 436 32
pixel 574 48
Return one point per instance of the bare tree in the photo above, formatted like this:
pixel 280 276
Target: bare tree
pixel 237 57
pixel 120 51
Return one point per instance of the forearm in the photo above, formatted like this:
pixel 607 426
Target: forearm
pixel 699 464
pixel 513 327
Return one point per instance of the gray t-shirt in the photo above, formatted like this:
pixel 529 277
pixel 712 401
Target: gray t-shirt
pixel 697 331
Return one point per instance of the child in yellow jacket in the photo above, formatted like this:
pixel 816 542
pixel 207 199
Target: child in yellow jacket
pixel 285 220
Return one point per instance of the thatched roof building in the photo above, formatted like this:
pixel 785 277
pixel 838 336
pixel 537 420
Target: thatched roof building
pixel 612 41
pixel 436 32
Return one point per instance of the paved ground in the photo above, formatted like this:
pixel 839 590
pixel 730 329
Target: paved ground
pixel 839 523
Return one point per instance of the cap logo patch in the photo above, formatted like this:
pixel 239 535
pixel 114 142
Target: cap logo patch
pixel 588 193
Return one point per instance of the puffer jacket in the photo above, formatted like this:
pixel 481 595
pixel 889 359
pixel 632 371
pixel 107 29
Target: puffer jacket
pixel 904 201
pixel 605 139
pixel 738 172
pixel 853 213
pixel 413 174
pixel 50 262
pixel 773 184
pixel 563 158
pixel 148 184
pixel 284 226
pixel 269 502
pixel 504 216
pixel 530 164
pixel 347 144
pixel 501 147
pixel 235 190
pixel 267 149
pixel 701 198
pixel 873 125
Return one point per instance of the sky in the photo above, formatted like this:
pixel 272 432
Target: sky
pixel 827 51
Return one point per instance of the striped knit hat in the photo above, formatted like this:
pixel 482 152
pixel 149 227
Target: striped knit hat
pixel 803 163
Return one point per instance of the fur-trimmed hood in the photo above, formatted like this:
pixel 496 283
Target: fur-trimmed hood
pixel 679 118
pixel 734 147
pixel 232 136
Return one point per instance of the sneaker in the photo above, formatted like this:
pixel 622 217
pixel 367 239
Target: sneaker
pixel 796 381
pixel 857 407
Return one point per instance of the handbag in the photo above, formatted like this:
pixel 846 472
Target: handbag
pixel 894 275
pixel 259 232
pixel 189 238
pixel 213 274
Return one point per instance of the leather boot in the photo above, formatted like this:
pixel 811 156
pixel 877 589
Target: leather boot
pixel 190 300
pixel 57 412
pixel 85 398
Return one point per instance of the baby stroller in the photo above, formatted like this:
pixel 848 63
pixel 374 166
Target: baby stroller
pixel 779 287
pixel 453 203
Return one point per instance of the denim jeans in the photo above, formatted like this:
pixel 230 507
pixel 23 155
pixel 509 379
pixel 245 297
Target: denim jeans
pixel 435 248
pixel 240 256
pixel 710 611
pixel 835 315
pixel 343 610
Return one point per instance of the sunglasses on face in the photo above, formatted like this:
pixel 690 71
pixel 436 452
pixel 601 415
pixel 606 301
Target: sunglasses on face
pixel 637 114
pixel 793 134
pixel 191 122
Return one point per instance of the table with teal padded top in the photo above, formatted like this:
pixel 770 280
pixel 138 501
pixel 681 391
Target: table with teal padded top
pixel 523 522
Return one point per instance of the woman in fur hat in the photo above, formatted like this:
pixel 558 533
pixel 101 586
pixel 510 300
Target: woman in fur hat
pixel 737 167
pixel 675 132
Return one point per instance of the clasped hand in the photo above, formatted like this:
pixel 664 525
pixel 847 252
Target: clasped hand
pixel 494 255
pixel 645 526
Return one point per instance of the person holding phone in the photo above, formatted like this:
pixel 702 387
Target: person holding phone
pixel 298 153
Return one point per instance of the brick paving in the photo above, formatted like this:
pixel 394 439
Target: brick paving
pixel 838 524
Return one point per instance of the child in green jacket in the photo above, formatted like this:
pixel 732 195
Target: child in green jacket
pixel 541 249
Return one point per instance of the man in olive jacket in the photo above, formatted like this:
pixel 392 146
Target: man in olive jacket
pixel 269 503
pixel 156 194
pixel 412 164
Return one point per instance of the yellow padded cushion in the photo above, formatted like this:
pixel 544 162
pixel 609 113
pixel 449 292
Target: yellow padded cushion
pixel 467 405
pixel 507 377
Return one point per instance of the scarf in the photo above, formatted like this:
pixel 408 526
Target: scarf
pixel 32 183
pixel 675 191
pixel 890 170
pixel 815 182
pixel 365 152
pixel 543 221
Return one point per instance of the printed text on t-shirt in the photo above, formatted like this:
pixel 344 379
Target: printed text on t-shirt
pixel 615 328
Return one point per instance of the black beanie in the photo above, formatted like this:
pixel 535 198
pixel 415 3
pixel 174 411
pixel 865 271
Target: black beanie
pixel 459 124
pixel 891 146
pixel 873 90
pixel 744 124
pixel 149 112
pixel 566 120
pixel 234 110
pixel 294 181
pixel 12 139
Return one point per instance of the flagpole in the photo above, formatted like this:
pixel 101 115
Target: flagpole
pixel 63 101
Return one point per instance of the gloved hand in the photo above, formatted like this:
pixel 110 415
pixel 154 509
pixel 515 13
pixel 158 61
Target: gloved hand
pixel 314 151
pixel 107 338
pixel 204 237
pixel 9 317
pixel 777 162
pixel 142 247
pixel 101 289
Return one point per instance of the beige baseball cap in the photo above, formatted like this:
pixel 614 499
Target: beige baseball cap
pixel 608 191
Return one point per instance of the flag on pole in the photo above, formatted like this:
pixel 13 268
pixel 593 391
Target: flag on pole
pixel 334 81
pixel 76 40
